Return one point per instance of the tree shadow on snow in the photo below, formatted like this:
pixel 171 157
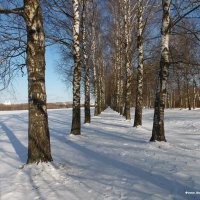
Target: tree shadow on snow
pixel 19 148
pixel 131 171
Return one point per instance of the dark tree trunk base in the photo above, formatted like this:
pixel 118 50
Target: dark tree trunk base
pixel 31 161
pixel 138 121
pixel 87 113
pixel 158 138
pixel 121 111
pixel 137 125
pixel 96 111
pixel 75 132
pixel 128 114
pixel 87 119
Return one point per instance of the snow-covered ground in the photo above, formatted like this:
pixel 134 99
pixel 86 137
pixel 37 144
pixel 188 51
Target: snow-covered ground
pixel 112 160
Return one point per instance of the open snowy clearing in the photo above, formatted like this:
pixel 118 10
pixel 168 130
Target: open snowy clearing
pixel 111 160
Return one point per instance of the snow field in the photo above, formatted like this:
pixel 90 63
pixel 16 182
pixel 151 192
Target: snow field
pixel 111 160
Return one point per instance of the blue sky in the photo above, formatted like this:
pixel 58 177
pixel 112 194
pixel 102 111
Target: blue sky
pixel 55 88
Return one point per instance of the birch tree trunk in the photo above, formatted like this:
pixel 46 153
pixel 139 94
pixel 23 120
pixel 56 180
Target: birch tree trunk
pixel 179 91
pixel 99 86
pixel 121 53
pixel 188 96
pixel 86 66
pixel 38 135
pixel 139 90
pixel 114 83
pixel 76 115
pixel 93 48
pixel 194 94
pixel 103 105
pixel 158 132
pixel 127 113
pixel 38 130
pixel 118 66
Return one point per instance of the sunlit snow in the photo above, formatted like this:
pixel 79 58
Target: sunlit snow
pixel 112 160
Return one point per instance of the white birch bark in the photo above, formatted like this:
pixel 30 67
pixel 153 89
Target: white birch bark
pixel 93 49
pixel 86 64
pixel 76 121
pixel 121 54
pixel 38 130
pixel 139 90
pixel 194 94
pixel 103 105
pixel 158 132
pixel 128 62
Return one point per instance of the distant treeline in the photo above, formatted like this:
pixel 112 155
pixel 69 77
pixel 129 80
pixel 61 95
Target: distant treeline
pixel 24 106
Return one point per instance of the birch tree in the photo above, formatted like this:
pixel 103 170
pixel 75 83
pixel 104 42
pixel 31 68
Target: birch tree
pixel 127 16
pixel 86 64
pixel 93 50
pixel 119 54
pixel 76 112
pixel 158 132
pixel 139 91
pixel 38 130
pixel 144 15
pixel 97 59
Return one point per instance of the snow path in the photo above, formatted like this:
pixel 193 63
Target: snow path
pixel 111 160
